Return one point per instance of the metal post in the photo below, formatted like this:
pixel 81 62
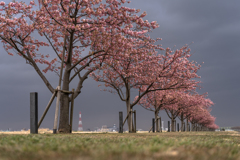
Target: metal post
pixel 153 125
pixel 34 113
pixel 178 127
pixel 168 126
pixel 120 122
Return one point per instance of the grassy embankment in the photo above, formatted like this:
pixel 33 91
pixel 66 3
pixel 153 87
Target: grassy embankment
pixel 177 146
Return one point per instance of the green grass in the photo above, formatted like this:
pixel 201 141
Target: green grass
pixel 179 146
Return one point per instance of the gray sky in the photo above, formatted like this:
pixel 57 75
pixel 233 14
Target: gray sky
pixel 213 26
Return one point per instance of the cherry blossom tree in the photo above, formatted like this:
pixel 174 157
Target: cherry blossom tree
pixel 155 101
pixel 173 110
pixel 87 30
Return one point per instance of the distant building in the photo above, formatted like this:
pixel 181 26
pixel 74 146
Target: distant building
pixel 113 129
pixel 80 128
pixel 104 128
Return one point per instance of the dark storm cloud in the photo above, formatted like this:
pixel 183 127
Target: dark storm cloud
pixel 213 26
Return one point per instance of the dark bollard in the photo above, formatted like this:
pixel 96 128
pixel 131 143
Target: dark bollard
pixel 120 122
pixel 34 113
pixel 168 126
pixel 153 125
pixel 178 127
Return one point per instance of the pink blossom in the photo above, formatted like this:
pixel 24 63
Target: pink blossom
pixel 2 3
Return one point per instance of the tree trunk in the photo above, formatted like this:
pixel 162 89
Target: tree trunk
pixel 64 104
pixel 187 125
pixel 181 122
pixel 156 120
pixel 129 119
pixel 129 109
pixel 182 125
pixel 172 125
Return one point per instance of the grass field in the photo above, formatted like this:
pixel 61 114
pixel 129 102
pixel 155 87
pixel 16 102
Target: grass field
pixel 106 146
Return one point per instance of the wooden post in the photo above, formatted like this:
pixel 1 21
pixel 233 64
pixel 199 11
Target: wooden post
pixel 120 122
pixel 131 122
pixel 133 131
pixel 126 118
pixel 47 108
pixel 175 126
pixel 71 113
pixel 160 125
pixel 153 125
pixel 168 126
pixel 135 123
pixel 34 113
pixel 56 111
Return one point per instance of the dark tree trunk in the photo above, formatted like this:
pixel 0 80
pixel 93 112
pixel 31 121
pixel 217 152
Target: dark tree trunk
pixel 129 119
pixel 192 127
pixel 187 125
pixel 64 126
pixel 182 125
pixel 182 122
pixel 156 120
pixel 172 125
pixel 129 109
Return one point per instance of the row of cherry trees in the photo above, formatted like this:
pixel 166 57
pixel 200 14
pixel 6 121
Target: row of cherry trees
pixel 111 43
pixel 164 82
pixel 181 104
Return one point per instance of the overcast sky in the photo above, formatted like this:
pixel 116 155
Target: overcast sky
pixel 213 26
